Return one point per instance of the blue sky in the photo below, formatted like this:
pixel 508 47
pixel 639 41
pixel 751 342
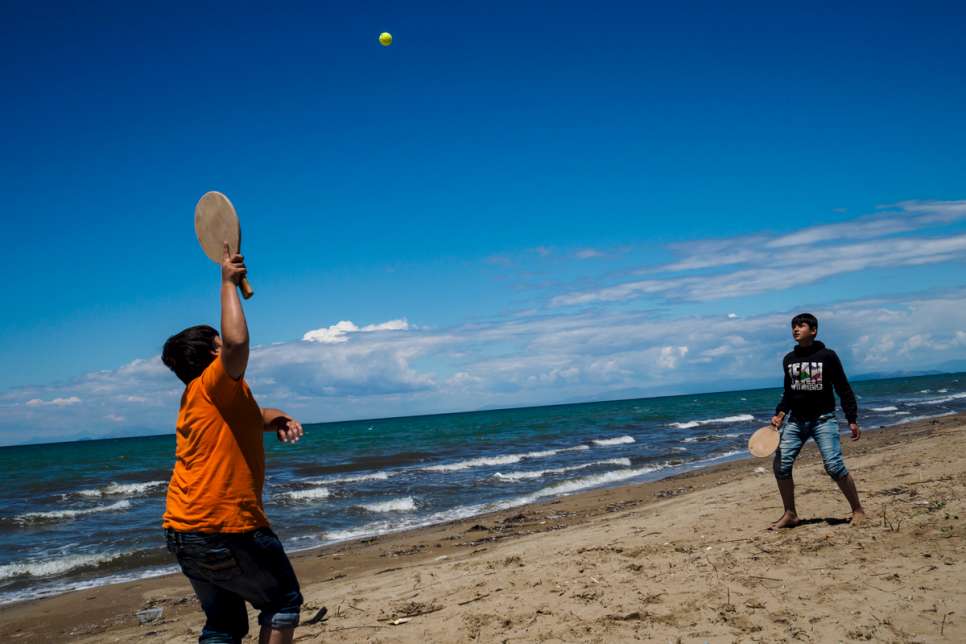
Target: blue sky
pixel 523 204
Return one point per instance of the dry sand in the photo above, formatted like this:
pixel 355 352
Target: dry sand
pixel 684 559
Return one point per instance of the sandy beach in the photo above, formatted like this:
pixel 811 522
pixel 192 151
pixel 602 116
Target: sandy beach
pixel 683 559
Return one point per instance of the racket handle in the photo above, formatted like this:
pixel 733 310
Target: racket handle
pixel 246 288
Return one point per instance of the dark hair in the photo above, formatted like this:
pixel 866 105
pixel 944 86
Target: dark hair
pixel 805 318
pixel 188 353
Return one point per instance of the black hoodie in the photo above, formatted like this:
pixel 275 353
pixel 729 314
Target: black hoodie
pixel 810 375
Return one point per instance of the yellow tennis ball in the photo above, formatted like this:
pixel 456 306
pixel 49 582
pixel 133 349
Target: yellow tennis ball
pixel 385 39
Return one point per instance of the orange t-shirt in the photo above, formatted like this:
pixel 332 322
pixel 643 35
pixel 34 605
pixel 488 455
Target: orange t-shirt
pixel 219 470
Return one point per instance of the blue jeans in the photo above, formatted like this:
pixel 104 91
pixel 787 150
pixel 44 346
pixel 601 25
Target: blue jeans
pixel 825 431
pixel 226 570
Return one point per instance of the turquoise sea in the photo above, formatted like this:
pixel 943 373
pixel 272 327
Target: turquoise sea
pixel 75 515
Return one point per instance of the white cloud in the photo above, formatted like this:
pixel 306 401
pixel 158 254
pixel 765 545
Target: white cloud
pixel 340 331
pixel 615 293
pixel 750 265
pixel 56 402
pixel 671 356
pixel 391 325
pixel 588 253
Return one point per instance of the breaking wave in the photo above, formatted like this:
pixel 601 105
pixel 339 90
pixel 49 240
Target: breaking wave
pixel 740 418
pixel 521 476
pixel 404 504
pixel 57 515
pixel 607 442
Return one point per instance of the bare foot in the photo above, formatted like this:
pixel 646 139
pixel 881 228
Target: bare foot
pixel 788 520
pixel 858 517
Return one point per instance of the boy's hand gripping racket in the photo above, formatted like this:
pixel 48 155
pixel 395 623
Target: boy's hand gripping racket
pixel 764 441
pixel 216 222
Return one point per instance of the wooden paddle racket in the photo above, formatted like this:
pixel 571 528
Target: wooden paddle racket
pixel 216 222
pixel 764 441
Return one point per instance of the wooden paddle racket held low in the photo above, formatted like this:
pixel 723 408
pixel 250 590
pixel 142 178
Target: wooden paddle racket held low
pixel 764 441
pixel 216 222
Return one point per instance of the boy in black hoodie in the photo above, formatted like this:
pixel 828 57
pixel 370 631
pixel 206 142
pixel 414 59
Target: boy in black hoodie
pixel 811 373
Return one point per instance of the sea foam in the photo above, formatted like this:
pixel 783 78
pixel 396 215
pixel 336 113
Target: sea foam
pixel 520 476
pixel 596 480
pixel 505 459
pixel 740 418
pixel 607 442
pixel 387 526
pixel 939 401
pixel 913 419
pixel 375 476
pixel 57 515
pixel 311 494
pixel 708 438
pixel 404 504
pixel 55 566
pixel 46 590
pixel 119 489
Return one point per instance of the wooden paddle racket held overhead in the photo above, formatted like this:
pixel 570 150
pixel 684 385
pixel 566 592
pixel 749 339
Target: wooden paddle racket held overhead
pixel 216 222
pixel 764 441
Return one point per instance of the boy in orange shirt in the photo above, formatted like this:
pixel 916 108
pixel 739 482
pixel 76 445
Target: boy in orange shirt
pixel 214 520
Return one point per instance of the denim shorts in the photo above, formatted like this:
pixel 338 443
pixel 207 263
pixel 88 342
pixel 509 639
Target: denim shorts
pixel 825 431
pixel 226 570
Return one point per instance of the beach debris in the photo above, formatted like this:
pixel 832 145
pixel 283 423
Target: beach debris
pixel 666 494
pixel 475 599
pixel 513 560
pixel 149 615
pixel 516 518
pixel 620 505
pixel 886 523
pixel 559 515
pixel 629 617
pixel 402 552
pixel 409 610
pixel 897 491
pixel 760 470
pixel 943 626
pixel 478 528
pixel 318 618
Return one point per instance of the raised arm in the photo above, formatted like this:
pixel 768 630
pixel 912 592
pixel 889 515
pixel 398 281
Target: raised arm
pixel 234 328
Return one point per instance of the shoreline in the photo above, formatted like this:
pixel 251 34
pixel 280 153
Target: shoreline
pixel 99 612
pixel 659 473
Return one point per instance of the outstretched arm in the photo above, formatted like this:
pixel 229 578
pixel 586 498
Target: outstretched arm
pixel 234 328
pixel 285 427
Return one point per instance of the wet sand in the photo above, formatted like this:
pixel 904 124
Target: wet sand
pixel 683 559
